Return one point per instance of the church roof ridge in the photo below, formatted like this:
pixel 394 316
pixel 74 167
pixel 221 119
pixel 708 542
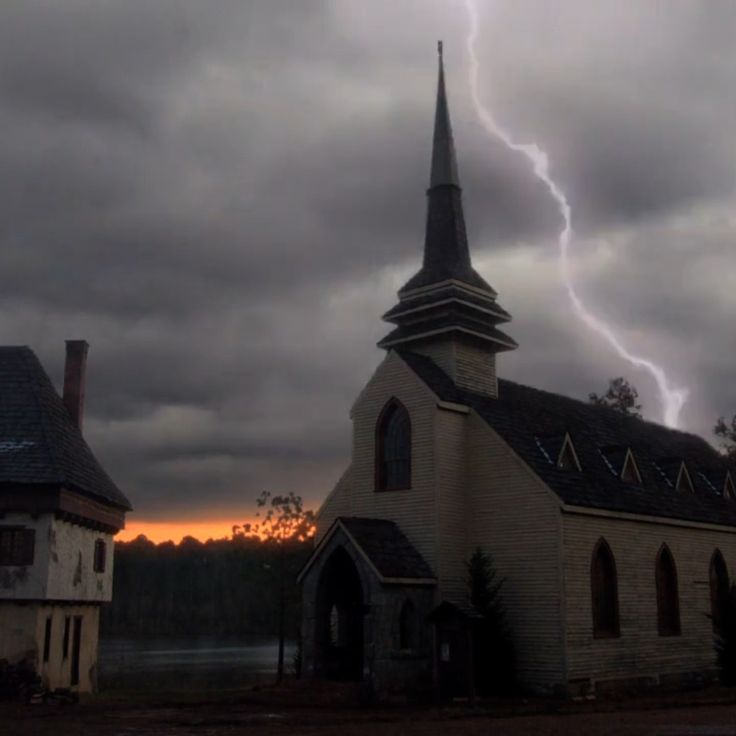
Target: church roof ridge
pixel 520 413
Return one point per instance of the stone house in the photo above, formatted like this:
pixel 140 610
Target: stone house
pixel 614 535
pixel 59 511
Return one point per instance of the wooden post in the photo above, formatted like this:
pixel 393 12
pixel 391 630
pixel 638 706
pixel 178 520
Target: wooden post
pixel 471 663
pixel 435 663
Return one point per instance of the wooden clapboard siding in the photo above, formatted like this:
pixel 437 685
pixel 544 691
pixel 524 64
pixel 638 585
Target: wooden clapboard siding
pixel 412 509
pixel 516 518
pixel 452 500
pixel 640 651
pixel 468 365
pixel 336 504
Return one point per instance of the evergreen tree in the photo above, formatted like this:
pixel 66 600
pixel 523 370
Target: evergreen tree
pixel 493 645
pixel 725 642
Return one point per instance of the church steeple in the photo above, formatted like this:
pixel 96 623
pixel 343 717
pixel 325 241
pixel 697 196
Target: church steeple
pixel 444 161
pixel 447 310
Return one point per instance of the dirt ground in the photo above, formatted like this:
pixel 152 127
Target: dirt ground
pixel 272 712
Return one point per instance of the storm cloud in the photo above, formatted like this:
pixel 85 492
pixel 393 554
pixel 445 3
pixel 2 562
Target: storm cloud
pixel 223 198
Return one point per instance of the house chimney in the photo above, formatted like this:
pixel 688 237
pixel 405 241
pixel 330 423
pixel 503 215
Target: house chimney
pixel 75 370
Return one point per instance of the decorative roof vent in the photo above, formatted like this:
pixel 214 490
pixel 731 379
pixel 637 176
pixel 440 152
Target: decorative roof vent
pixel 558 450
pixel 630 472
pixel 729 491
pixel 684 482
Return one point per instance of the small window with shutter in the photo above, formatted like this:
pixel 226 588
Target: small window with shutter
pixel 17 545
pixel 100 555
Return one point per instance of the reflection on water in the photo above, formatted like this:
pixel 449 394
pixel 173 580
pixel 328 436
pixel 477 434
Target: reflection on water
pixel 189 662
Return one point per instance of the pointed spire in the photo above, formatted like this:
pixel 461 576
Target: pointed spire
pixel 444 161
pixel 447 310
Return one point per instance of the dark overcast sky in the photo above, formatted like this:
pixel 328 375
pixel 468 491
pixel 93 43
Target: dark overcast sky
pixel 222 197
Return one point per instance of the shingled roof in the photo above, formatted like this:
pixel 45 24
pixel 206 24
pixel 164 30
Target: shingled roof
pixel 521 415
pixel 384 546
pixel 387 547
pixel 39 442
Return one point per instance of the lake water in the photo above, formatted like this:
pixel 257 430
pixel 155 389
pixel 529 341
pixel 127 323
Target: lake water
pixel 189 662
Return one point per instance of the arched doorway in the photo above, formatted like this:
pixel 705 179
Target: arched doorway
pixel 339 619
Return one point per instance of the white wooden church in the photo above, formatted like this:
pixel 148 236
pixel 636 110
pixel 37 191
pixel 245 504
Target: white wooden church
pixel 615 535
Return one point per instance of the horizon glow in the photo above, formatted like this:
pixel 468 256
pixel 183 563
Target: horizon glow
pixel 671 397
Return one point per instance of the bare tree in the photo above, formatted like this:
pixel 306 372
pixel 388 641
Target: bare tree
pixel 281 520
pixel 621 396
pixel 727 434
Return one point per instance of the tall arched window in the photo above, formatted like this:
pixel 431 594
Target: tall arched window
pixel 668 600
pixel 604 588
pixel 719 586
pixel 393 448
pixel 407 626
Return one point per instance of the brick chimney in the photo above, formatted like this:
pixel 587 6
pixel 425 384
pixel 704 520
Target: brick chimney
pixel 75 370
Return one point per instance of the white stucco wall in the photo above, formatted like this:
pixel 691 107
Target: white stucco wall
pixel 63 563
pixel 71 564
pixel 22 638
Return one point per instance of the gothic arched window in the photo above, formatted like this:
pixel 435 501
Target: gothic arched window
pixel 407 626
pixel 719 586
pixel 668 600
pixel 604 589
pixel 393 448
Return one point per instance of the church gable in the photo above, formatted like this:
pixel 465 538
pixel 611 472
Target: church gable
pixel 391 479
pixel 336 504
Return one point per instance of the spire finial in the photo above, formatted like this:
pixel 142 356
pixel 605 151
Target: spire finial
pixel 444 165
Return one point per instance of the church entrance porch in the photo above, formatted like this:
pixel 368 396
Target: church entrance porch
pixel 340 613
pixel 366 596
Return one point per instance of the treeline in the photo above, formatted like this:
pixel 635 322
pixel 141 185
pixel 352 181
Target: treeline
pixel 216 588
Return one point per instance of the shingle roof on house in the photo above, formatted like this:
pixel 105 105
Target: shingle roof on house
pixel 39 441
pixel 521 414
pixel 387 547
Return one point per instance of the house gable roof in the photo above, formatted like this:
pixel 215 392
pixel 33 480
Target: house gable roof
pixel 39 442
pixel 520 414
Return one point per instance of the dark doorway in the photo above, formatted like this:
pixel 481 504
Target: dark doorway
pixel 454 645
pixel 340 612
pixel 452 660
pixel 76 647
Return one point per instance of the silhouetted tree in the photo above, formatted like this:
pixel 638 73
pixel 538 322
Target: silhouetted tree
pixel 494 651
pixel 727 434
pixel 221 587
pixel 284 522
pixel 621 396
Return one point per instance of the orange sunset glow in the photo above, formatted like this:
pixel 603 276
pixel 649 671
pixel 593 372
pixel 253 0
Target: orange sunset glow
pixel 163 531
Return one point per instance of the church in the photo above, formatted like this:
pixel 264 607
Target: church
pixel 615 537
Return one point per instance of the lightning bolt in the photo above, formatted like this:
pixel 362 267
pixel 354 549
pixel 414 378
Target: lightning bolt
pixel 672 398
